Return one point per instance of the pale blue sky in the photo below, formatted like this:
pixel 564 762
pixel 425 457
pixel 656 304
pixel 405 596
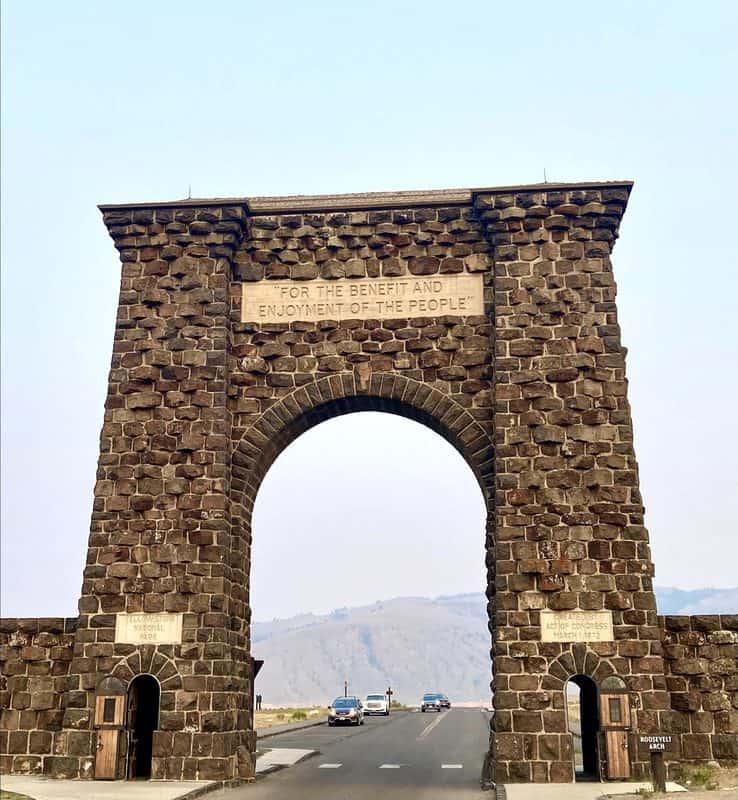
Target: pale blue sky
pixel 137 101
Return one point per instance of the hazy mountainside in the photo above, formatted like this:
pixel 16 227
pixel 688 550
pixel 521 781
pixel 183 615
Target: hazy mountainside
pixel 413 644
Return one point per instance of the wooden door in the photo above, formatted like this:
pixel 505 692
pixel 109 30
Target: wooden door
pixel 106 756
pixel 109 713
pixel 618 759
pixel 615 721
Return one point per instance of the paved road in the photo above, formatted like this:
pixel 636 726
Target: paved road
pixel 411 756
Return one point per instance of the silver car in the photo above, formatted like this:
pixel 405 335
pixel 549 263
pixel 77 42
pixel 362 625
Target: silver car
pixel 346 710
pixel 431 702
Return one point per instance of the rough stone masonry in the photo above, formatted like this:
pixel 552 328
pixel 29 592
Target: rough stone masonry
pixel 230 342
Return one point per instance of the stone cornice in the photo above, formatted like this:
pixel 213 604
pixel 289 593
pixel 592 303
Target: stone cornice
pixel 365 200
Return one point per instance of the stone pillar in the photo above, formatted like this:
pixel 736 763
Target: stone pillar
pixel 160 532
pixel 569 515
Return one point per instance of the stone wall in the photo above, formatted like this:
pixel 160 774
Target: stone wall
pixel 35 656
pixel 701 661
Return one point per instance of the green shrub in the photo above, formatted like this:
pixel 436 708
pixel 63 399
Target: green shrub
pixel 701 777
pixel 299 714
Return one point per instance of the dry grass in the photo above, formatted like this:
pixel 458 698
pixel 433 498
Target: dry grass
pixel 270 717
pixel 703 783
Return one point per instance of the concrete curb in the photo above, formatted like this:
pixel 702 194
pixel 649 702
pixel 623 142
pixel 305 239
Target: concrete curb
pixel 212 787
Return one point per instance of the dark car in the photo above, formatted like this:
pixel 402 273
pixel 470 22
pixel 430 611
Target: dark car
pixel 431 702
pixel 346 710
pixel 445 702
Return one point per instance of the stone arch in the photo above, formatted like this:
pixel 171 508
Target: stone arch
pixel 334 395
pixel 468 430
pixel 578 660
pixel 148 660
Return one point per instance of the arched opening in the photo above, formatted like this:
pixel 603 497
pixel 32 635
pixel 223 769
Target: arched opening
pixel 360 511
pixel 142 717
pixel 583 725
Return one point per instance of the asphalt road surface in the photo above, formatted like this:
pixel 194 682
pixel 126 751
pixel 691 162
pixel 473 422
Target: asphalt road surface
pixel 412 756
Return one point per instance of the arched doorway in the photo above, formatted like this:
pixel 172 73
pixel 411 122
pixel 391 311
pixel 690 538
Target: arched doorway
pixel 144 694
pixel 583 724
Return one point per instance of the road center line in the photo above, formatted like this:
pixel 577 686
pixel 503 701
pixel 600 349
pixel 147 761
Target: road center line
pixel 330 766
pixel 452 766
pixel 427 731
pixel 390 766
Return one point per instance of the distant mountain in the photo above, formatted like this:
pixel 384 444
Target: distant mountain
pixel 413 644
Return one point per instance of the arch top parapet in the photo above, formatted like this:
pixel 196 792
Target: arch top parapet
pixel 366 200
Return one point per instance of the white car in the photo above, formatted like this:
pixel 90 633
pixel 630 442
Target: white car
pixel 376 704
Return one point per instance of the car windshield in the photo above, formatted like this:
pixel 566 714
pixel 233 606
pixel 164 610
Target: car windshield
pixel 430 697
pixel 375 697
pixel 344 702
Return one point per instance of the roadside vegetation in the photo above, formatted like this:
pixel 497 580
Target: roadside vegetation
pixel 708 777
pixel 702 781
pixel 269 717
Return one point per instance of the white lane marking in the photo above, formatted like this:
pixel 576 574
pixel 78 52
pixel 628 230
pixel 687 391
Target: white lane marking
pixel 452 766
pixel 427 731
pixel 390 766
pixel 330 766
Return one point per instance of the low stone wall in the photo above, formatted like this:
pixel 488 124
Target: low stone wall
pixel 35 655
pixel 700 660
pixel 701 665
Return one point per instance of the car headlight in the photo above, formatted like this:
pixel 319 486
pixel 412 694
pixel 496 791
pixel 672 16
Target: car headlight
pixel 352 713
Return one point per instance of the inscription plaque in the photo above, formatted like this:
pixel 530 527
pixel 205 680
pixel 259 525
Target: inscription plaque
pixel 148 628
pixel 362 298
pixel 576 626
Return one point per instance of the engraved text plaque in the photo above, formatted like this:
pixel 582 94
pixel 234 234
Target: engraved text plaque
pixel 148 628
pixel 362 298
pixel 576 626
